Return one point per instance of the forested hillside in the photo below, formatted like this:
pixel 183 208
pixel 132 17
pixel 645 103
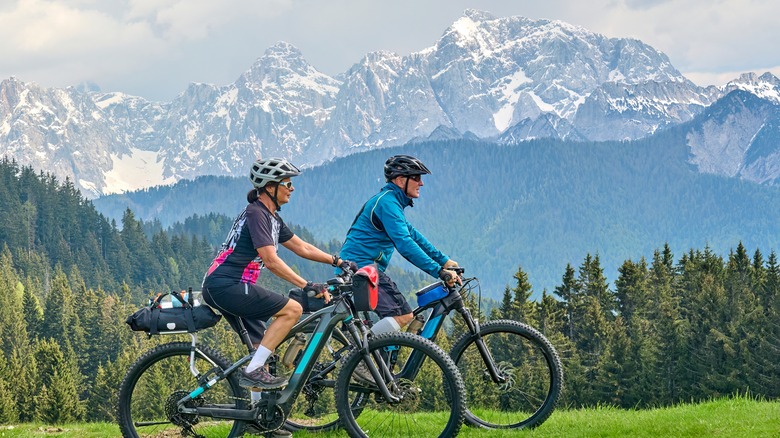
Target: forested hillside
pixel 539 204
pixel 671 329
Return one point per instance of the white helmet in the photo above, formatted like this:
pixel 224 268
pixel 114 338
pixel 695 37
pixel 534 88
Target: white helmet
pixel 267 170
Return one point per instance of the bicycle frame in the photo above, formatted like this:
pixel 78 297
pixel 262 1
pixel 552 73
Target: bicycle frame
pixel 441 308
pixel 329 318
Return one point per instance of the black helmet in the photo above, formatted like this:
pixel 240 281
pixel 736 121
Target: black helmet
pixel 404 165
pixel 269 170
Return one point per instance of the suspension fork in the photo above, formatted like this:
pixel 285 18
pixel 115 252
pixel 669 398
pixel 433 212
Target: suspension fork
pixel 360 336
pixel 473 326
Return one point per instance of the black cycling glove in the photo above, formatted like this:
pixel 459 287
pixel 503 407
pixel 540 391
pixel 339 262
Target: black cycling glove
pixel 314 289
pixel 348 266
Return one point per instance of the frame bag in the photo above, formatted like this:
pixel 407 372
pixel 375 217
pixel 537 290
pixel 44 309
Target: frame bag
pixel 184 316
pixel 309 304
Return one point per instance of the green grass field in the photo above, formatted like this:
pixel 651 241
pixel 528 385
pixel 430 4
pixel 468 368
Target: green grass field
pixel 732 418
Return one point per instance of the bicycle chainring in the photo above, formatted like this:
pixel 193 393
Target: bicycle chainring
pixel 270 422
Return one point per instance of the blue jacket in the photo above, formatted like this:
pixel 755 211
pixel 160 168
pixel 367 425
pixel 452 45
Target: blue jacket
pixel 381 227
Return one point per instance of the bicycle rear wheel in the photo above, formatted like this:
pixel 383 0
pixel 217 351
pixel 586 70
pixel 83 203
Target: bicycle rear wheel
pixel 528 362
pixel 159 378
pixel 425 379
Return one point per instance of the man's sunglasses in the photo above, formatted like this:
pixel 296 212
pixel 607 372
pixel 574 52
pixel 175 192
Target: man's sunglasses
pixel 415 178
pixel 287 184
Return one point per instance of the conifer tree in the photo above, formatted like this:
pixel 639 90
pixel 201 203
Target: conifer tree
pixel 58 401
pixel 8 408
pixel 568 291
pixel 33 312
pixel 525 307
pixel 59 316
pixel 23 370
pixel 103 397
pixel 669 327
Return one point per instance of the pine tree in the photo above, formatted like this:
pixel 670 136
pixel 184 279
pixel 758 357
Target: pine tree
pixel 526 308
pixel 33 312
pixel 103 397
pixel 670 329
pixel 59 316
pixel 23 370
pixel 8 408
pixel 58 401
pixel 568 291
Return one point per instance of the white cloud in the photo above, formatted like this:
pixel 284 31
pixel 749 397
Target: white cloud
pixel 155 47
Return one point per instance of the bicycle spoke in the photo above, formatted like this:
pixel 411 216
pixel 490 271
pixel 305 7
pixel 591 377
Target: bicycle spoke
pixel 530 370
pixel 158 380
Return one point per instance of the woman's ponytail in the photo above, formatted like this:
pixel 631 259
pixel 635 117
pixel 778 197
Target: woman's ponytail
pixel 252 196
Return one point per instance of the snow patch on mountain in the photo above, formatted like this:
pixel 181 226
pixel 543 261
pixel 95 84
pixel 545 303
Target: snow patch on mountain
pixel 134 171
pixel 508 92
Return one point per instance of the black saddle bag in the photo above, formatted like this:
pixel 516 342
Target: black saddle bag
pixel 155 319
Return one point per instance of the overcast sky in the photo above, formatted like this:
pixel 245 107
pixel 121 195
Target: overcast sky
pixel 154 48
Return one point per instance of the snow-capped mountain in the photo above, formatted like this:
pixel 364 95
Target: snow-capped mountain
pixel 739 136
pixel 500 79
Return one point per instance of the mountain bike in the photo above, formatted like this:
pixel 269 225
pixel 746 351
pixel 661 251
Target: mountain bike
pixel 192 390
pixel 512 373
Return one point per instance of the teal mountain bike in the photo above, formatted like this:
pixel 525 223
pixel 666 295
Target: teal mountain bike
pixel 187 389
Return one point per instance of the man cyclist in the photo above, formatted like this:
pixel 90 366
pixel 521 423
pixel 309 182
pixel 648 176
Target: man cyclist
pixel 381 228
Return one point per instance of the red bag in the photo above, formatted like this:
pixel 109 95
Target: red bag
pixel 365 291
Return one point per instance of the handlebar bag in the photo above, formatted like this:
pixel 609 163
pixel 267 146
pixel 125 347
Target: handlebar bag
pixel 365 288
pixel 431 293
pixel 153 319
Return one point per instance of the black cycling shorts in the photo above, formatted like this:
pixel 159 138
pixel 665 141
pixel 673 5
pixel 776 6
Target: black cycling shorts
pixel 391 301
pixel 253 303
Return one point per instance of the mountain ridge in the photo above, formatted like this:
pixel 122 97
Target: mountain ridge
pixel 504 79
pixel 539 204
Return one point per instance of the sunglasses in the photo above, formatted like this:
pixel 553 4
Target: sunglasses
pixel 415 178
pixel 287 184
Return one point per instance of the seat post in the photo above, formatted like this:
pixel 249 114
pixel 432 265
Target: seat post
pixel 244 334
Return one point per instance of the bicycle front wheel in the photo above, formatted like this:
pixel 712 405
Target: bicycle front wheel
pixel 529 366
pixel 152 386
pixel 428 387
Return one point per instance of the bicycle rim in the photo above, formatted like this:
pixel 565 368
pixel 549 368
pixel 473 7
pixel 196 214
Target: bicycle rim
pixel 315 408
pixel 432 401
pixel 149 391
pixel 531 369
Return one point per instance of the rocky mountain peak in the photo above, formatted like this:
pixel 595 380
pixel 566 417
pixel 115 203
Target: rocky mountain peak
pixel 766 86
pixel 497 79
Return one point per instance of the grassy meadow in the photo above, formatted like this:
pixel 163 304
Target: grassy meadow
pixel 732 418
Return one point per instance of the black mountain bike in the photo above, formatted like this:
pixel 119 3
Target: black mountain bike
pixel 512 373
pixel 192 390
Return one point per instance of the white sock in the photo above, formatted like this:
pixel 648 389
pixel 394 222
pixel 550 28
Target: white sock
pixel 258 360
pixel 255 395
pixel 385 325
